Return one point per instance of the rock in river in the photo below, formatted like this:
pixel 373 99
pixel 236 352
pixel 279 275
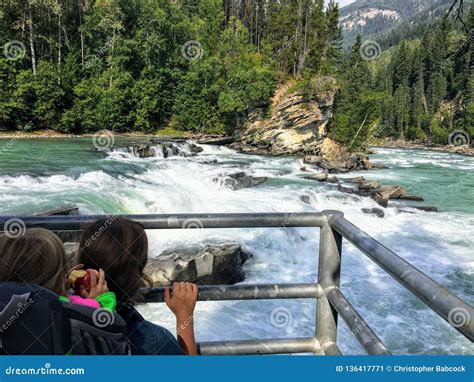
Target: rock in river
pixel 212 264
pixel 241 180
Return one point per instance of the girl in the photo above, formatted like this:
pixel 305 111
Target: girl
pixel 38 257
pixel 120 247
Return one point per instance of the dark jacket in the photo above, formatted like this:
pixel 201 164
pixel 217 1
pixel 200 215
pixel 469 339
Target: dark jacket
pixel 145 337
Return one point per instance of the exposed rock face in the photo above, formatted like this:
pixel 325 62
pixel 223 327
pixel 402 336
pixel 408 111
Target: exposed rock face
pixel 298 126
pixel 203 264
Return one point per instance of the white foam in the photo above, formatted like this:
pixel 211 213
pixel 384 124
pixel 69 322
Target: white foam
pixel 439 244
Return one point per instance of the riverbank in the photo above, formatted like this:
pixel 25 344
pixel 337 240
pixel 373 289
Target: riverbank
pixel 407 145
pixel 166 133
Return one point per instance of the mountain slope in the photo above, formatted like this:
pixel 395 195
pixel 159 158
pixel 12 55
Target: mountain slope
pixel 375 17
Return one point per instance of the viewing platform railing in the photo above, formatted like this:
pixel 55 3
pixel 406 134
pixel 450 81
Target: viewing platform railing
pixel 330 300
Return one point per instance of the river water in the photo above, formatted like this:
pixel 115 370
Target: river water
pixel 41 174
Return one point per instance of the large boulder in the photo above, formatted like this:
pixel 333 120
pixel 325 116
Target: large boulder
pixel 212 264
pixel 240 180
pixel 384 194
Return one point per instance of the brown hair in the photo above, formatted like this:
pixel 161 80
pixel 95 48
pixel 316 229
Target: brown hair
pixel 120 247
pixel 36 257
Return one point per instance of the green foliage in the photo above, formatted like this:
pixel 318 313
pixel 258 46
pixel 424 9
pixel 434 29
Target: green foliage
pixel 440 135
pixel 427 92
pixel 201 65
pixel 122 65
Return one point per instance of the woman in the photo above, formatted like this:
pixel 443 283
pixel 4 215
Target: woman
pixel 120 248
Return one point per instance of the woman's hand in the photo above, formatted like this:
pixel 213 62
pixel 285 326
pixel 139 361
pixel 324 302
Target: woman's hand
pixel 98 285
pixel 183 300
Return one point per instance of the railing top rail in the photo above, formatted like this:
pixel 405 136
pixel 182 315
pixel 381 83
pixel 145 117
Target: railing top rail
pixel 244 292
pixel 178 221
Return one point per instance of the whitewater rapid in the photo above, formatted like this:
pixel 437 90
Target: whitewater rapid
pixel 441 245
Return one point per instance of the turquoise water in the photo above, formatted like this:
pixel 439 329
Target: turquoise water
pixel 47 173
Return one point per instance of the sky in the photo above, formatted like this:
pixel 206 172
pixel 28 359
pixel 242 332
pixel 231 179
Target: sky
pixel 345 2
pixel 342 2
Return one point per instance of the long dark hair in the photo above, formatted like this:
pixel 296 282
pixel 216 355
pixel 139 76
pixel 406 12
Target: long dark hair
pixel 120 247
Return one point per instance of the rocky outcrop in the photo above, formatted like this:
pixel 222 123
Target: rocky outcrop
pixel 162 149
pixel 299 126
pixel 241 180
pixel 381 194
pixel 216 141
pixel 369 188
pixel 212 264
pixel 345 162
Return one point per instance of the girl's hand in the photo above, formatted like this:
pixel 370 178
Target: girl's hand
pixel 98 284
pixel 183 300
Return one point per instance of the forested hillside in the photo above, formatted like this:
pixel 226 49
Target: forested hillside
pixel 81 66
pixel 421 89
pixel 372 17
pixel 198 65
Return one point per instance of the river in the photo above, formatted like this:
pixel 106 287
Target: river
pixel 39 174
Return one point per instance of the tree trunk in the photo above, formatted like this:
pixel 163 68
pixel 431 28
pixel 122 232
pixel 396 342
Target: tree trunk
pixel 81 33
pixel 112 58
pixel 32 43
pixel 59 44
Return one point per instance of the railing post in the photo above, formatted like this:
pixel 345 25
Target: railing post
pixel 330 245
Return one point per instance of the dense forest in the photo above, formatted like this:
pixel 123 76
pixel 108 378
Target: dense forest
pixel 420 89
pixel 199 65
pixel 80 66
pixel 432 84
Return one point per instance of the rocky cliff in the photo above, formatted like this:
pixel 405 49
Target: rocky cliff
pixel 298 125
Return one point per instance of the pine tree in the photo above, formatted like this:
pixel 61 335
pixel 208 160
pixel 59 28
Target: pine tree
pixel 334 35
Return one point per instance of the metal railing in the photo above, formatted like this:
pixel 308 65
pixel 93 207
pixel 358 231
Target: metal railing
pixel 331 301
